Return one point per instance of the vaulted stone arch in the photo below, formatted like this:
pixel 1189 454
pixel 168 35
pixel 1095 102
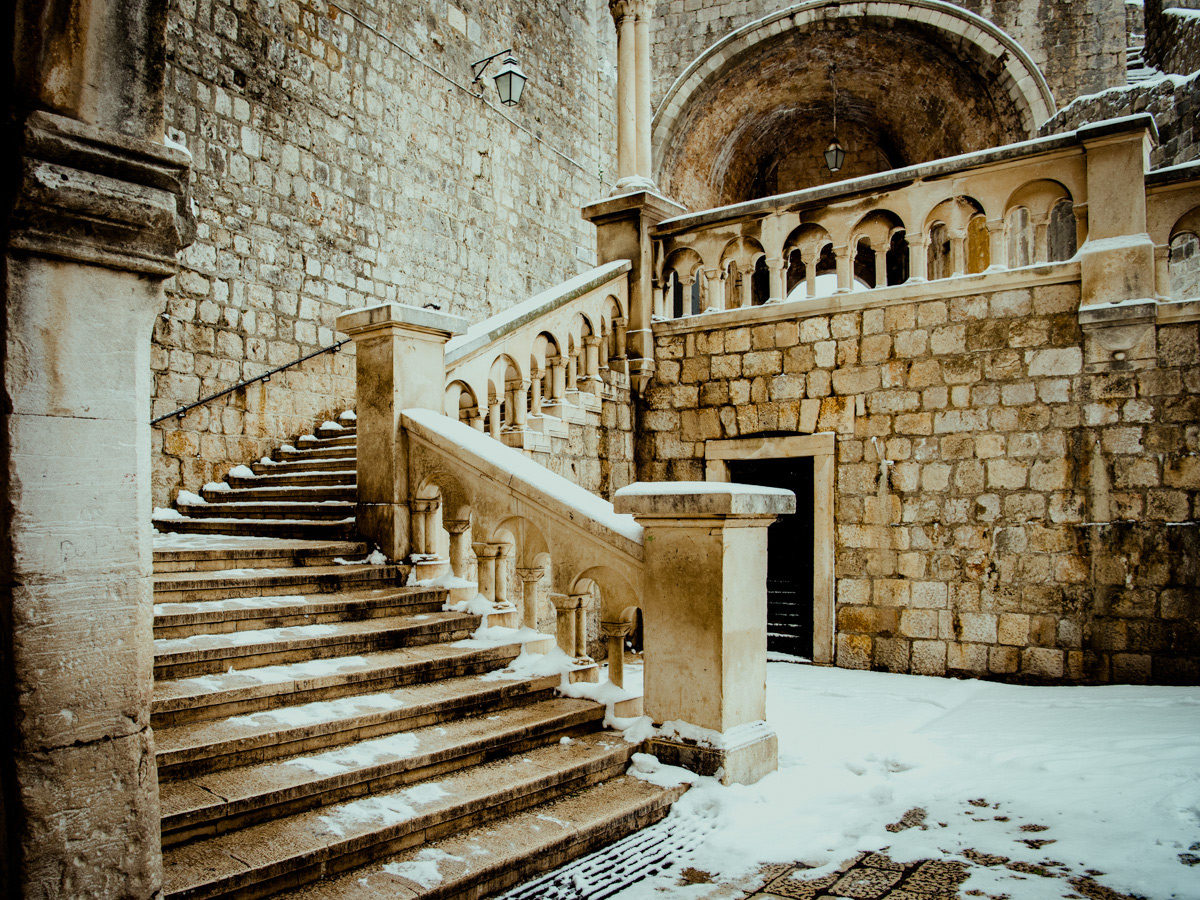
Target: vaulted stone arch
pixel 917 80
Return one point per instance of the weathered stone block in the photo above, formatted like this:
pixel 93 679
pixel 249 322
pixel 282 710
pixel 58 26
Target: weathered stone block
pixel 929 657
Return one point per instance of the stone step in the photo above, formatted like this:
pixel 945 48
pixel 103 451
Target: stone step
pixel 267 553
pixel 310 440
pixel 337 430
pixel 208 654
pixel 219 584
pixel 316 451
pixel 329 464
pixel 309 529
pixel 269 509
pixel 240 614
pixel 343 478
pixel 299 493
pixel 236 798
pixel 192 748
pixel 486 859
pixel 304 847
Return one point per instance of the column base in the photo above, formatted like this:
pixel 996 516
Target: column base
pixel 566 411
pixel 551 426
pixel 631 183
pixel 750 752
pixel 425 568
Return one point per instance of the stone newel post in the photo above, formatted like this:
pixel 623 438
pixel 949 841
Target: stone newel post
pixel 400 358
pixel 705 619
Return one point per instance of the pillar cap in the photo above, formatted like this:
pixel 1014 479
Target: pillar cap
pixel 689 499
pixel 398 315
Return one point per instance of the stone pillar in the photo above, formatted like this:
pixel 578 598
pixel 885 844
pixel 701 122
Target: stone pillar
pixel 581 604
pixel 420 519
pixel 1162 271
pixel 96 209
pixel 623 16
pixel 1041 239
pixel 502 553
pixel 619 360
pixel 705 617
pixel 564 608
pixel 573 371
pixel 520 399
pixel 591 352
pixel 643 12
pixel 400 362
pixel 958 253
pixel 997 245
pixel 918 258
pixel 845 268
pixel 558 379
pixel 459 542
pixel 530 577
pixel 810 271
pixel 1117 260
pixel 535 397
pixel 485 558
pixel 494 418
pixel 880 250
pixel 615 633
pixel 715 295
pixel 775 269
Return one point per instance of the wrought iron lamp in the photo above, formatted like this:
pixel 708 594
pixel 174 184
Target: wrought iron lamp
pixel 510 80
pixel 835 154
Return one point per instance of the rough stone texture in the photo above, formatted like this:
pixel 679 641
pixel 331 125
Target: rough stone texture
pixel 1078 46
pixel 1173 36
pixel 1174 102
pixel 332 170
pixel 974 556
pixel 597 457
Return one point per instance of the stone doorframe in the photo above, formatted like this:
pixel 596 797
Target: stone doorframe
pixel 821 447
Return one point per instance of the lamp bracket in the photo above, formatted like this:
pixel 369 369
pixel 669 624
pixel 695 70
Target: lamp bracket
pixel 483 64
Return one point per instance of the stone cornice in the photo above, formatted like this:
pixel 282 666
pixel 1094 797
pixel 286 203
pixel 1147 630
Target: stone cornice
pixel 94 196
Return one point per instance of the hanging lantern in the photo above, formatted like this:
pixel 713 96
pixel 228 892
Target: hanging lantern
pixel 835 155
pixel 510 82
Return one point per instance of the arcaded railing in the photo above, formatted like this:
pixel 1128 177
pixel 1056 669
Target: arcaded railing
pixel 1037 202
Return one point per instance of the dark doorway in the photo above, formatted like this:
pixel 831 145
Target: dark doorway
pixel 789 552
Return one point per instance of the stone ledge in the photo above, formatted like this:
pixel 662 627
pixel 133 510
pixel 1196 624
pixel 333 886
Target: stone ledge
pixel 688 499
pixel 386 315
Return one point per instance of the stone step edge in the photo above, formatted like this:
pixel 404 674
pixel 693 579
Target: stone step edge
pixel 237 579
pixel 569 717
pixel 392 673
pixel 549 835
pixel 317 548
pixel 261 746
pixel 437 821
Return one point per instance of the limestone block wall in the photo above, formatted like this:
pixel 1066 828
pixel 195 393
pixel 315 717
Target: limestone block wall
pixel 1174 102
pixel 968 550
pixel 1079 47
pixel 1173 35
pixel 597 457
pixel 334 167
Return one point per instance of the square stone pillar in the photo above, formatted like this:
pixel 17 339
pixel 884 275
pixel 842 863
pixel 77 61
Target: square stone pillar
pixel 704 614
pixel 1117 259
pixel 400 356
pixel 623 232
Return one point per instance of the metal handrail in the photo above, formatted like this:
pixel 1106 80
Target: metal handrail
pixel 265 376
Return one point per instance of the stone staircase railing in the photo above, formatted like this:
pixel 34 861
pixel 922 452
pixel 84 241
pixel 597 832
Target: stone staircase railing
pixel 691 557
pixel 525 373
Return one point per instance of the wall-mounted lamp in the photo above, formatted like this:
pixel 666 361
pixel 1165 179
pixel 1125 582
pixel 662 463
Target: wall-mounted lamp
pixel 834 154
pixel 510 80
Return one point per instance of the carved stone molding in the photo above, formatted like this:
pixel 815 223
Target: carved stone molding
pixel 94 196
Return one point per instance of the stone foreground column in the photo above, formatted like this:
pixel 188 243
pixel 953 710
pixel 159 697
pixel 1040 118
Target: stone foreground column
pixel 400 360
pixel 705 619
pixel 96 209
pixel 615 633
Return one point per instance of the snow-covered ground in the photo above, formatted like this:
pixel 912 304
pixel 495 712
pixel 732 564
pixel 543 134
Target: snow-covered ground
pixel 1100 778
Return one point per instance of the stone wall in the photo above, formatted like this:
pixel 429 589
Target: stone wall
pixel 1078 46
pixel 1173 36
pixel 973 555
pixel 334 167
pixel 597 455
pixel 1174 101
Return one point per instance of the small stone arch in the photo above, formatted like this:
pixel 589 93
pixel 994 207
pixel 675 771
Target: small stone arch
pixel 739 260
pixel 802 253
pixel 876 256
pixel 461 403
pixel 1183 262
pixel 948 230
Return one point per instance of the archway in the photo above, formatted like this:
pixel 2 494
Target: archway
pixel 917 81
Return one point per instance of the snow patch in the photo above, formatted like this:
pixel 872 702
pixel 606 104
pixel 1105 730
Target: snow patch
pixel 423 868
pixel 329 425
pixel 187 498
pixel 645 767
pixel 242 472
pixel 218 487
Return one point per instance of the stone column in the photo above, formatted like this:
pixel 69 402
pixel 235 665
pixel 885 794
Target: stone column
pixel 643 12
pixel 1041 239
pixel 624 18
pixel 558 379
pixel 880 250
pixel 958 253
pixel 615 633
pixel 918 258
pixel 997 246
pixel 520 397
pixel 494 418
pixel 535 397
pixel 420 520
pixel 530 577
pixel 564 608
pixel 501 576
pixel 96 209
pixel 705 617
pixel 809 258
pixel 1162 271
pixel 619 326
pixel 581 604
pixel 573 371
pixel 459 542
pixel 485 557
pixel 845 268
pixel 775 267
pixel 400 362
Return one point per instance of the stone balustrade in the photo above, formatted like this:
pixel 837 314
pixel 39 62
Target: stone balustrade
pixel 439 489
pixel 1079 196
pixel 524 374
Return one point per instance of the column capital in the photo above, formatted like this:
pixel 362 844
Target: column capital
pixel 591 340
pixel 564 602
pixel 423 505
pixel 530 573
pixel 456 526
pixel 635 9
pixel 616 629
pixel 620 322
pixel 486 549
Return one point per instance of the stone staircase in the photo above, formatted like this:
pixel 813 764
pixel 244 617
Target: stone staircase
pixel 324 731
